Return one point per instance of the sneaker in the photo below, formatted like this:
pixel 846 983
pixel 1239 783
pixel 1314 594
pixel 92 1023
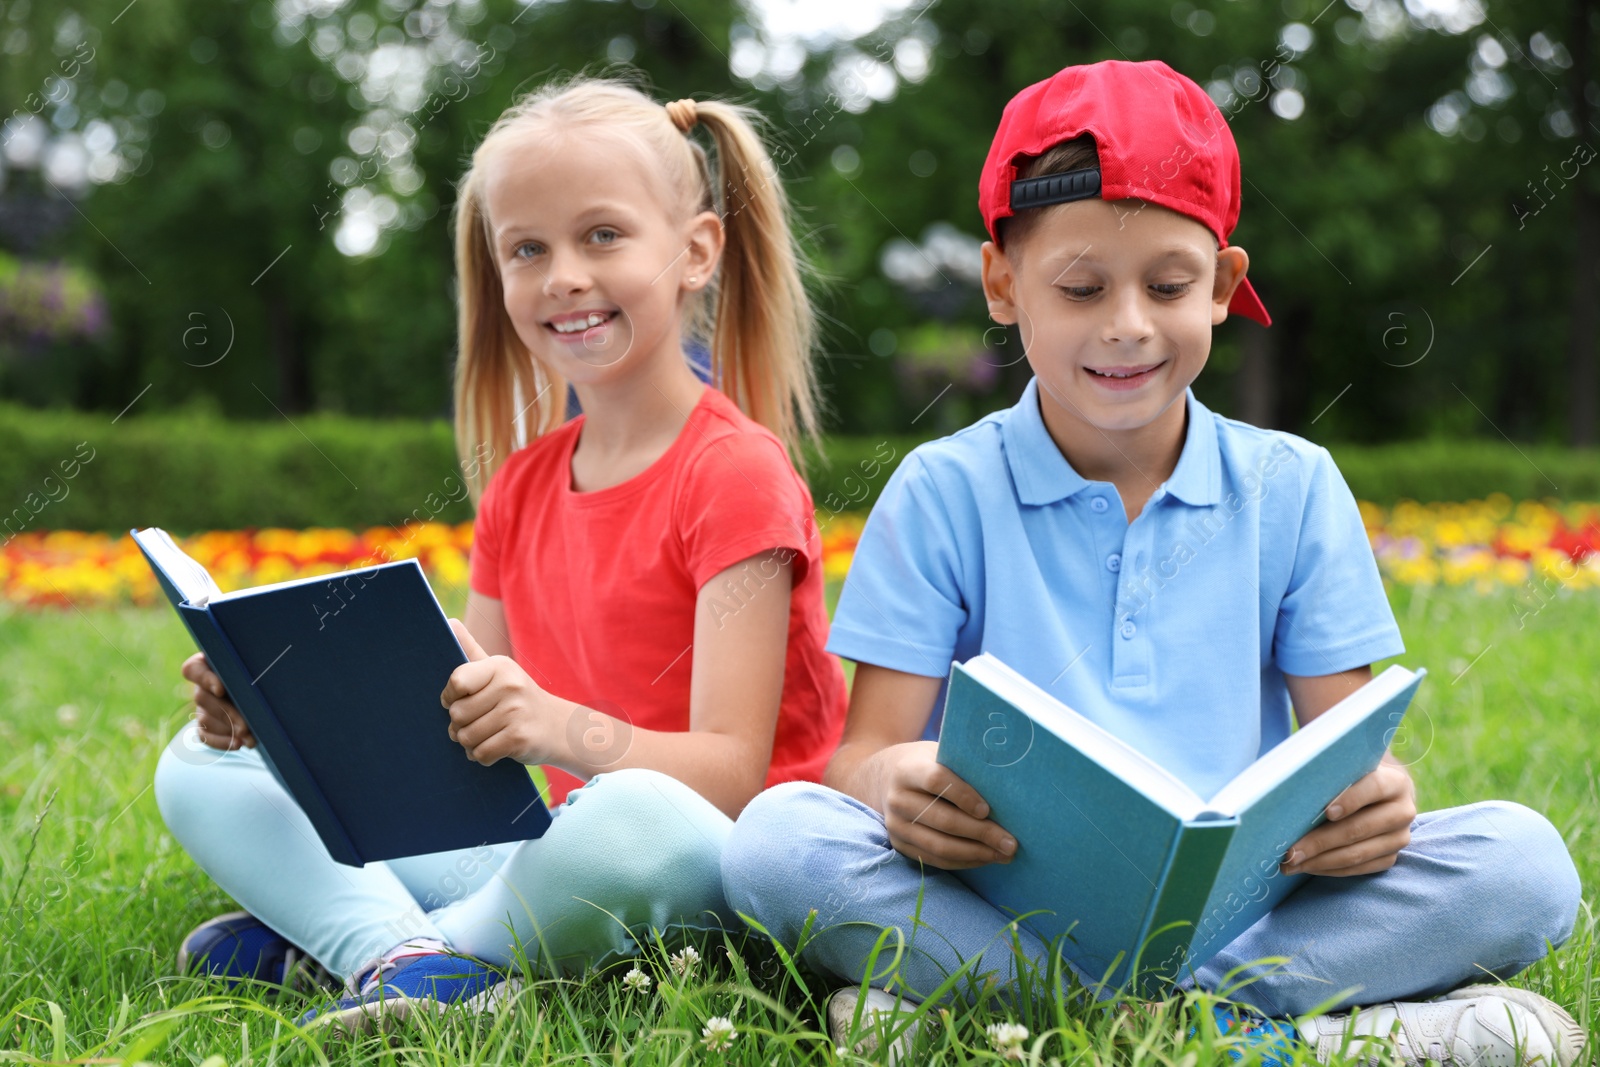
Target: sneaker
pixel 1275 1039
pixel 431 981
pixel 881 1009
pixel 239 948
pixel 1475 1026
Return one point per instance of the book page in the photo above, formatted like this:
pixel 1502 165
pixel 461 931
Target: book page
pixel 1095 741
pixel 192 580
pixel 330 576
pixel 1300 747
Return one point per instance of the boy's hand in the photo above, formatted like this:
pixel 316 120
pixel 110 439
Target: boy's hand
pixel 219 722
pixel 496 710
pixel 935 817
pixel 1368 824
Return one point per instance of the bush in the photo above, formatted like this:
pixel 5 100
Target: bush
pixel 194 471
pixel 1382 474
pixel 1468 470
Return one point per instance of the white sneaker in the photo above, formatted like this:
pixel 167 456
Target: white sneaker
pixel 1475 1026
pixel 880 1007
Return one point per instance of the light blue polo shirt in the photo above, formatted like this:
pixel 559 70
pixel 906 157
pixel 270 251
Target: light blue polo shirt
pixel 1173 631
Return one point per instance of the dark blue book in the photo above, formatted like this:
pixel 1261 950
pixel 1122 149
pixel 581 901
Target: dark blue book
pixel 338 678
pixel 1145 879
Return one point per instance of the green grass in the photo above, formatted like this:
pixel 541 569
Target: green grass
pixel 96 893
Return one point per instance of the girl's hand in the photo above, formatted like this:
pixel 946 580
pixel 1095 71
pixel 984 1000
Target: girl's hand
pixel 497 711
pixel 1368 824
pixel 218 721
pixel 935 817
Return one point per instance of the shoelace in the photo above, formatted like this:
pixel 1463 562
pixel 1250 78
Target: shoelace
pixel 375 974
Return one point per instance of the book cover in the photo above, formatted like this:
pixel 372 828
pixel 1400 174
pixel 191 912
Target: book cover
pixel 339 679
pixel 1139 877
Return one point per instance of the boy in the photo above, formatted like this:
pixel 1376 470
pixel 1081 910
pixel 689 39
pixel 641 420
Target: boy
pixel 1178 577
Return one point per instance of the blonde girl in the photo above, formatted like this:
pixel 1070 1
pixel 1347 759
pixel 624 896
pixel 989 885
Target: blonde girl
pixel 645 617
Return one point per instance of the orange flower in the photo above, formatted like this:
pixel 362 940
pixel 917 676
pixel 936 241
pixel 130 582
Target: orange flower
pixel 1486 544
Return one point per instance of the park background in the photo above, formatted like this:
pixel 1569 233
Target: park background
pixel 227 309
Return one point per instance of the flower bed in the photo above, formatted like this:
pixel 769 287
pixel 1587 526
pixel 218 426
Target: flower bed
pixel 66 567
pixel 1486 544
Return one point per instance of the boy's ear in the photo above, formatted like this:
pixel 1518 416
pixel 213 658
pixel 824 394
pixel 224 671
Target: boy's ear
pixel 1232 263
pixel 999 284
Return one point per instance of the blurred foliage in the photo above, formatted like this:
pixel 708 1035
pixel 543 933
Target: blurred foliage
pixel 1411 231
pixel 43 302
pixel 191 471
pixel 194 471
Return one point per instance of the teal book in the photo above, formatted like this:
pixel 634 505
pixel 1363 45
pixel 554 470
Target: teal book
pixel 1145 879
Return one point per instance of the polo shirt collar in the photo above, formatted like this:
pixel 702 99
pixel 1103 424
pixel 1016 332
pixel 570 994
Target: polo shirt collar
pixel 1197 479
pixel 1042 474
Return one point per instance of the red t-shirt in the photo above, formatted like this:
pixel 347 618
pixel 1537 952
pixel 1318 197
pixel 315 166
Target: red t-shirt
pixel 599 588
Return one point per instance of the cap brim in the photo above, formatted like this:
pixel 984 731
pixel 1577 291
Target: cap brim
pixel 1245 302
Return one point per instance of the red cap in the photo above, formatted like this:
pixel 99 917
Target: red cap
pixel 1161 138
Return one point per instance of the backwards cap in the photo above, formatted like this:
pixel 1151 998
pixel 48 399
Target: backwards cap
pixel 1160 138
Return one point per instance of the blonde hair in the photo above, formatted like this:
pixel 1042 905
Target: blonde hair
pixel 762 330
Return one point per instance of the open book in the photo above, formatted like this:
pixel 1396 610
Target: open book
pixel 1145 878
pixel 338 677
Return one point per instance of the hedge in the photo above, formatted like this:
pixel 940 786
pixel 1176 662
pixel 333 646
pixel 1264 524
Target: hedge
pixel 196 472
pixel 189 472
pixel 1382 474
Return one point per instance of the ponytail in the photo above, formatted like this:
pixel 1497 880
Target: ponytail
pixel 764 330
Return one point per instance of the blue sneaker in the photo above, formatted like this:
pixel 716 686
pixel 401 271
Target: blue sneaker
pixel 432 981
pixel 239 948
pixel 1274 1039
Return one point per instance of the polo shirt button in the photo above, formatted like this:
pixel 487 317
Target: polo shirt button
pixel 1128 629
pixel 1099 503
pixel 1114 562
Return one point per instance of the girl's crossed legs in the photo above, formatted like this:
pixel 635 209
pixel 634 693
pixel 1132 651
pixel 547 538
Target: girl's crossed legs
pixel 632 850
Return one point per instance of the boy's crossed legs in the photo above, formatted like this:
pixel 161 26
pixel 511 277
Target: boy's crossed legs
pixel 1476 894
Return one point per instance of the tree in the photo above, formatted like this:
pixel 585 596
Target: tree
pixel 1418 206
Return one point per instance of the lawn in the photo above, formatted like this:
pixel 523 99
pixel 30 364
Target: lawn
pixel 96 893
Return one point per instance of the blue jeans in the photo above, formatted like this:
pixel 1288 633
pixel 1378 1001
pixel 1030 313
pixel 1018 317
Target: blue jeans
pixel 632 850
pixel 1478 892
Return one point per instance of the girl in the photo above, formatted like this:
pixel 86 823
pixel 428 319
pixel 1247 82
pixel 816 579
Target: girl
pixel 645 615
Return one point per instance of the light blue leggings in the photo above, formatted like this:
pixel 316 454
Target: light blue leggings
pixel 632 850
pixel 1476 894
